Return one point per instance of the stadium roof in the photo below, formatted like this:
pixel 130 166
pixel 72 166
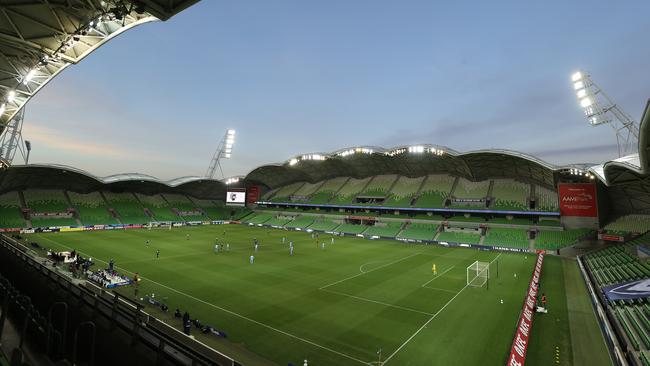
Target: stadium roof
pixel 628 178
pixel 40 38
pixel 411 161
pixel 51 176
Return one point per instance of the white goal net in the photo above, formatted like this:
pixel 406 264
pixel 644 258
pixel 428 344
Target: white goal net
pixel 478 274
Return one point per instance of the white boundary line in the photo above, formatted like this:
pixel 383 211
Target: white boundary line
pixel 233 313
pixel 438 276
pixel 429 321
pixel 440 289
pixel 377 302
pixel 372 270
pixel 365 264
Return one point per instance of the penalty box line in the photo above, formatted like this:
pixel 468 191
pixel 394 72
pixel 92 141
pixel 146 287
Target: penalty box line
pixel 438 276
pixel 234 313
pixel 377 302
pixel 372 270
pixel 430 320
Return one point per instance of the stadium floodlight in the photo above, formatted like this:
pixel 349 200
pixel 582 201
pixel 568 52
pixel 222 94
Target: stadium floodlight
pixel 293 162
pixel 576 76
pixel 600 109
pixel 30 75
pixel 224 151
pixel 11 95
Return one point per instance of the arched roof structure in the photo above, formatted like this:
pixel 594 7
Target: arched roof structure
pixel 411 161
pixel 41 38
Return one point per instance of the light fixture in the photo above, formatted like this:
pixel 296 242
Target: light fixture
pixel 11 95
pixel 578 85
pixel 3 106
pixel 576 76
pixel 585 102
pixel 581 93
pixel 293 162
pixel 30 75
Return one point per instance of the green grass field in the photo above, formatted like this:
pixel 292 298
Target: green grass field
pixel 336 306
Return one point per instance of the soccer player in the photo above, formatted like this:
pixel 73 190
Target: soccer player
pixel 544 300
pixel 187 237
pixel 291 249
pixel 147 243
pixel 216 248
pixel 284 239
pixel 157 253
pixel 251 259
pixel 434 270
pixel 332 240
pixel 322 245
pixel 257 246
pixel 228 246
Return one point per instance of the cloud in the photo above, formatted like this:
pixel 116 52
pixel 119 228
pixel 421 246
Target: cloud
pixel 52 138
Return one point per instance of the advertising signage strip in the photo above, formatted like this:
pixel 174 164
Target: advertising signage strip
pixel 524 325
pixel 530 213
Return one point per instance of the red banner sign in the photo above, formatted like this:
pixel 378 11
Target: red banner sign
pixel 524 325
pixel 578 199
pixel 610 237
pixel 253 194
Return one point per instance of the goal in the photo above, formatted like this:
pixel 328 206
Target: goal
pixel 478 274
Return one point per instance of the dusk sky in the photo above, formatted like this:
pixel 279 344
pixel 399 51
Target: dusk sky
pixel 294 77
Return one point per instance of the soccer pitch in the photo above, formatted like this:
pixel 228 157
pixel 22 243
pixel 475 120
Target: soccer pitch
pixel 334 306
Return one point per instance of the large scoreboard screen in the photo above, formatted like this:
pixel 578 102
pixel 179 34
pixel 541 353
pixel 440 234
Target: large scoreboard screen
pixel 236 197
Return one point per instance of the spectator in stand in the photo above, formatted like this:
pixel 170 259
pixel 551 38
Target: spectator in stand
pixel 186 317
pixel 187 326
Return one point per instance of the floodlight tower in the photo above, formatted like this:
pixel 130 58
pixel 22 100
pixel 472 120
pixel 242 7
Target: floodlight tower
pixel 600 109
pixel 11 139
pixel 224 151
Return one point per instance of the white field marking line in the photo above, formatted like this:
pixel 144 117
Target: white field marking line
pixel 167 257
pixel 438 276
pixel 233 313
pixel 365 264
pixel 377 302
pixel 440 289
pixel 430 320
pixel 372 270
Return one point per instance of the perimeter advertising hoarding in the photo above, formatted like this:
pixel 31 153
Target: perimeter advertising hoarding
pixel 578 199
pixel 236 197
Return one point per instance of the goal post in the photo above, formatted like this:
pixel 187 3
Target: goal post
pixel 478 274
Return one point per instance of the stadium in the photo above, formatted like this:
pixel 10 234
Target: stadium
pixel 366 255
